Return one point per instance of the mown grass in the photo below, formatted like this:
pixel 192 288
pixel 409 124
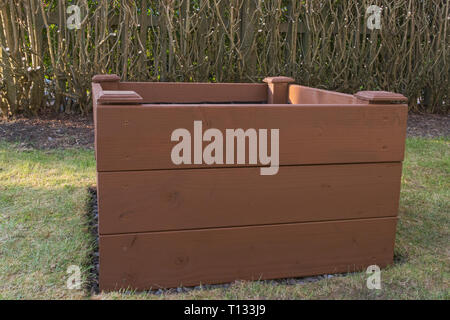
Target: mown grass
pixel 43 222
pixel 44 229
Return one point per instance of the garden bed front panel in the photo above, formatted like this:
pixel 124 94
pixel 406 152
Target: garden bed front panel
pixel 192 257
pixel 331 207
pixel 161 200
pixel 138 137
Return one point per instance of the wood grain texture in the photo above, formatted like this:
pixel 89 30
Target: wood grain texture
pixel 138 137
pixel 381 96
pixel 99 78
pixel 307 95
pixel 278 88
pixel 142 201
pixel 185 258
pixel 278 79
pixel 119 97
pixel 187 92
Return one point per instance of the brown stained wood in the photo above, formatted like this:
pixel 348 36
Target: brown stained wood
pixel 96 91
pixel 381 97
pixel 278 88
pixel 99 78
pixel 331 207
pixel 106 82
pixel 306 95
pixel 138 137
pixel 186 258
pixel 160 92
pixel 278 79
pixel 187 199
pixel 119 97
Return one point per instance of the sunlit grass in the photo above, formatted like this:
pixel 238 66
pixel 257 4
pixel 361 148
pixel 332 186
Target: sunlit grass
pixel 43 223
pixel 43 230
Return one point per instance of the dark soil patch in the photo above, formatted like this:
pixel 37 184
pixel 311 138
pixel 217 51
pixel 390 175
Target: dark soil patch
pixel 428 125
pixel 49 132
pixel 400 258
pixel 52 131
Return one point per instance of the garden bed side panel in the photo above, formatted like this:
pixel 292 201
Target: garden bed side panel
pixel 155 260
pixel 158 200
pixel 195 92
pixel 138 137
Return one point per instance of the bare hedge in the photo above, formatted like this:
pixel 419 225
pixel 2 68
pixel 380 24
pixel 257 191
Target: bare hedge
pixel 324 44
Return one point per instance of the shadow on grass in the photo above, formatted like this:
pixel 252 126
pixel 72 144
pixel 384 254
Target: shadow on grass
pixel 92 285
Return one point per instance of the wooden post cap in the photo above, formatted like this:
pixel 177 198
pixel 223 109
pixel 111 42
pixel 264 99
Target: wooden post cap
pixel 279 79
pixel 105 78
pixel 381 97
pixel 119 97
pixel 278 89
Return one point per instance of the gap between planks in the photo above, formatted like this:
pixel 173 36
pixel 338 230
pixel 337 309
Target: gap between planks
pixel 249 226
pixel 230 166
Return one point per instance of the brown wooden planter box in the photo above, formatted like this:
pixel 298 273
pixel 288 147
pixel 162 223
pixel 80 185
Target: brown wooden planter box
pixel 332 206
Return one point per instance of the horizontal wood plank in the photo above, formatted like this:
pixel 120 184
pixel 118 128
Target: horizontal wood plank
pixel 142 201
pixel 190 92
pixel 306 95
pixel 186 258
pixel 139 137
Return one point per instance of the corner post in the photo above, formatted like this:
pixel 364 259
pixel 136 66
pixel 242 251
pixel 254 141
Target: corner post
pixel 107 91
pixel 278 89
pixel 108 81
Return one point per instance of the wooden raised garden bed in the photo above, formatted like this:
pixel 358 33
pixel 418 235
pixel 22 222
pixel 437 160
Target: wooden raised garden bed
pixel 330 206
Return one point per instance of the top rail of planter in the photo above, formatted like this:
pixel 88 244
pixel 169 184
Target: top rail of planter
pixel 109 90
pixel 134 121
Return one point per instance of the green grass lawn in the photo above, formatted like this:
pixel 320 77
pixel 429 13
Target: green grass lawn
pixel 44 229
